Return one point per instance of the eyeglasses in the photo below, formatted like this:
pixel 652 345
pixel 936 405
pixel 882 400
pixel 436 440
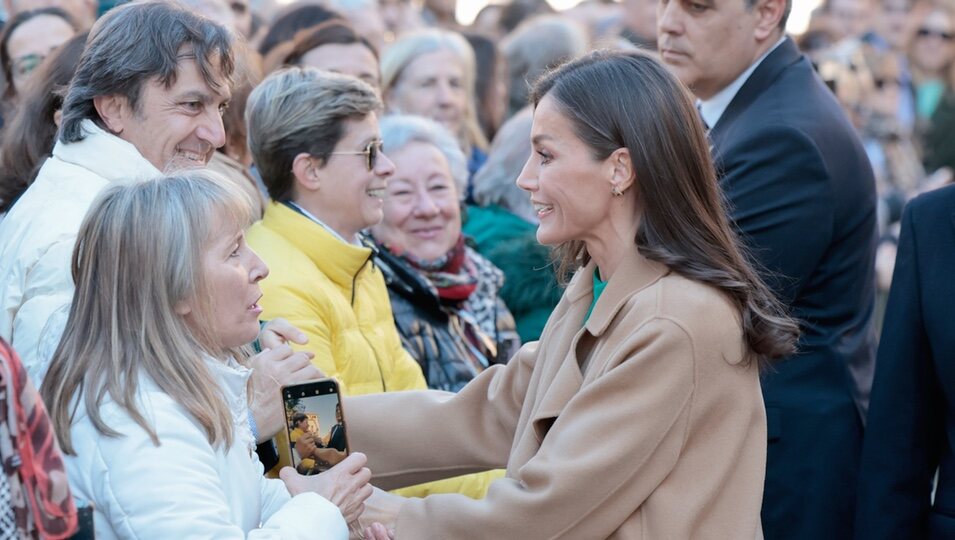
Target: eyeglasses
pixel 27 63
pixel 926 32
pixel 370 152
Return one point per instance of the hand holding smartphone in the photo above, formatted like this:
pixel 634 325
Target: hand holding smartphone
pixel 315 424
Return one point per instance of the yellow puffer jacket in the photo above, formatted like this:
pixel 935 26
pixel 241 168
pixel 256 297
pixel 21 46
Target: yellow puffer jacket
pixel 333 293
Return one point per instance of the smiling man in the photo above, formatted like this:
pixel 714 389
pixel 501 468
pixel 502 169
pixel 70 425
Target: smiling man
pixel 146 99
pixel 803 198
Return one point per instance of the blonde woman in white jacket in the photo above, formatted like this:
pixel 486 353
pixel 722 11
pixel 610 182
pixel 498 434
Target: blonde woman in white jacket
pixel 147 389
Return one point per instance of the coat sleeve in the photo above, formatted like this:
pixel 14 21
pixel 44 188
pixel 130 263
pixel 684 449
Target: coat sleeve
pixel 616 440
pixel 173 490
pixel 780 200
pixel 413 437
pixel 905 423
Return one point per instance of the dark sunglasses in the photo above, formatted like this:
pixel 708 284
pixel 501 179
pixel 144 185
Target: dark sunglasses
pixel 371 153
pixel 926 32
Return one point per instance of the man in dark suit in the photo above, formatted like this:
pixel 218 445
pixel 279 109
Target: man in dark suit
pixel 802 195
pixel 910 429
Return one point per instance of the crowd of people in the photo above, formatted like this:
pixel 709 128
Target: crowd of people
pixel 614 272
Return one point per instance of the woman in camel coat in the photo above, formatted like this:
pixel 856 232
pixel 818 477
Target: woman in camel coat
pixel 638 414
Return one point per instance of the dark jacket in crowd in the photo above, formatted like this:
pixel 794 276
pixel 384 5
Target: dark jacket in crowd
pixel 803 197
pixel 433 333
pixel 911 422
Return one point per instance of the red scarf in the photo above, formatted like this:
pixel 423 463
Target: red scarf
pixel 31 457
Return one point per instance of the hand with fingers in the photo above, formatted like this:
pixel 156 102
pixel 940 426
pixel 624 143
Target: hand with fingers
pixel 277 366
pixel 346 484
pixel 377 531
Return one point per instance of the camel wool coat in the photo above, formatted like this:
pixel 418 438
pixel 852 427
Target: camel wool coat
pixel 660 435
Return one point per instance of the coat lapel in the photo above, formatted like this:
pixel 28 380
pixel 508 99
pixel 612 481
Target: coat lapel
pixel 561 377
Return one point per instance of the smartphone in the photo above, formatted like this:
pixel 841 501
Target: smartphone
pixel 316 425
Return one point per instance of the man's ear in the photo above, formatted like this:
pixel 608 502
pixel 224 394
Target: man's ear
pixel 622 175
pixel 306 172
pixel 769 13
pixel 113 110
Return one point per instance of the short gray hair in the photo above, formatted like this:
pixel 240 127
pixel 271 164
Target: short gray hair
pixel 495 183
pixel 536 46
pixel 399 130
pixel 301 109
pixel 134 43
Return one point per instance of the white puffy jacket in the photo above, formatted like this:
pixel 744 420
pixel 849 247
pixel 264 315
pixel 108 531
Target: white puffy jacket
pixel 38 234
pixel 185 487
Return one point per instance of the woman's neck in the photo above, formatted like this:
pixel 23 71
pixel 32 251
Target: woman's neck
pixel 345 234
pixel 610 243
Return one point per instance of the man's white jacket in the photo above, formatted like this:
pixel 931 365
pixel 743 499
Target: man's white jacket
pixel 38 234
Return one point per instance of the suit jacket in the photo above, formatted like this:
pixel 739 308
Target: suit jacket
pixel 661 434
pixel 910 429
pixel 802 195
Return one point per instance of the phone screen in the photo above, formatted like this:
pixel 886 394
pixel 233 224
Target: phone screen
pixel 316 425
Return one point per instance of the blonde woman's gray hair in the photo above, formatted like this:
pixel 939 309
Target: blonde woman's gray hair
pixel 301 110
pixel 399 130
pixel 138 254
pixel 534 47
pixel 409 47
pixel 495 183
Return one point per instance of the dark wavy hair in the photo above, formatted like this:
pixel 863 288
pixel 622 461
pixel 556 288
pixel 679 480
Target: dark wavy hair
pixel 617 99
pixel 139 41
pixel 29 137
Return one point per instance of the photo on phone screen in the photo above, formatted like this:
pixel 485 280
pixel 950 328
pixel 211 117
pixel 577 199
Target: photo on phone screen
pixel 316 425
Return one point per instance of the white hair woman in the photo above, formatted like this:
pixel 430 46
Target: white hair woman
pixel 431 73
pixel 148 389
pixel 445 296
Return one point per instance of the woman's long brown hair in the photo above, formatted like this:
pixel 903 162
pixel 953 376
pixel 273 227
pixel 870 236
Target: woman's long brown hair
pixel 617 99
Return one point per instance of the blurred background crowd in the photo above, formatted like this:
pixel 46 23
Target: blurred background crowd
pixel 890 62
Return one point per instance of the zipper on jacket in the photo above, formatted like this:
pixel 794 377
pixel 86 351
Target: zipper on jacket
pixel 354 287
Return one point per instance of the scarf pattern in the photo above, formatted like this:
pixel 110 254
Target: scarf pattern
pixel 31 459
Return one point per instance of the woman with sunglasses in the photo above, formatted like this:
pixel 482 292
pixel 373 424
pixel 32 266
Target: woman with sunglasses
pixel 314 137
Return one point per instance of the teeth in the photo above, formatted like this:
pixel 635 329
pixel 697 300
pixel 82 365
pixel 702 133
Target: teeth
pixel 538 207
pixel 379 193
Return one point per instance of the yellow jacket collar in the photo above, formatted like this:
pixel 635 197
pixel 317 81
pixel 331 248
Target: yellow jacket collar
pixel 338 260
